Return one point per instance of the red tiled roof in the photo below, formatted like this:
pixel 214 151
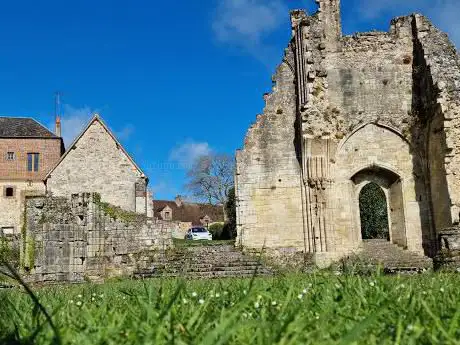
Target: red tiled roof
pixel 189 212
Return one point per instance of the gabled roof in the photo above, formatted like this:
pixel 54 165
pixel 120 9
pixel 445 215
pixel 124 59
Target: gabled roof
pixel 23 127
pixel 189 212
pixel 95 118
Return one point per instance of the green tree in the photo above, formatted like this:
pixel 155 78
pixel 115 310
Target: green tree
pixel 373 212
pixel 229 230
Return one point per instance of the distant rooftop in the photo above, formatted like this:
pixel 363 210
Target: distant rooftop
pixel 23 127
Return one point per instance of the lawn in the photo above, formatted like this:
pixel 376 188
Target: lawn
pixel 319 308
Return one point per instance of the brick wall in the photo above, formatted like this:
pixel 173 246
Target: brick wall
pixel 49 153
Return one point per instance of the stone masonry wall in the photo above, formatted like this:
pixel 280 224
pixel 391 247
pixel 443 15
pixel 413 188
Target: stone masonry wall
pixel 77 239
pixel 97 163
pixel 378 107
pixel 268 171
pixel 12 208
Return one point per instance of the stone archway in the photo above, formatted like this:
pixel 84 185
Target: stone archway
pixel 392 187
pixel 373 209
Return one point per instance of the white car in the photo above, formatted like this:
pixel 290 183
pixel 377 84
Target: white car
pixel 198 233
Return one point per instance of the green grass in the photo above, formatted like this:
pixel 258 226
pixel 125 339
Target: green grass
pixel 180 243
pixel 319 308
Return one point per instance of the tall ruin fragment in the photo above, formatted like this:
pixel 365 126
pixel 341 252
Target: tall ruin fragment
pixel 380 107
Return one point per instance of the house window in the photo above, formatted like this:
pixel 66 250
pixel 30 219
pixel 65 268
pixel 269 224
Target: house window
pixel 33 161
pixel 9 192
pixel 10 156
pixel 167 215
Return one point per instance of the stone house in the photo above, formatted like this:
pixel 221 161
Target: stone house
pixel 28 150
pixel 187 214
pixel 346 111
pixel 97 162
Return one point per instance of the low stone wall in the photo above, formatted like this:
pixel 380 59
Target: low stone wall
pixel 449 254
pixel 82 238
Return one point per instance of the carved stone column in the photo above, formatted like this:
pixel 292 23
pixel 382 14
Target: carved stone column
pixel 317 180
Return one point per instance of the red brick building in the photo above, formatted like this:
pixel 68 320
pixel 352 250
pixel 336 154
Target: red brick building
pixel 28 151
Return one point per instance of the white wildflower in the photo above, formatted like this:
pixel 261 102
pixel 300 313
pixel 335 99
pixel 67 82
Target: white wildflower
pixel 304 291
pixel 194 294
pixel 71 301
pixel 80 296
pixel 93 294
pixel 259 297
pixel 244 292
pixel 300 296
pixel 372 284
pixel 184 301
pixel 273 303
pixel 92 299
pixel 201 301
pixel 78 303
pixel 410 328
pixel 101 295
pixel 225 293
pixel 217 295
pixel 441 289
pixel 256 305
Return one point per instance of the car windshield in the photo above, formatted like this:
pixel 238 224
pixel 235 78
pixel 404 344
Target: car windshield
pixel 199 230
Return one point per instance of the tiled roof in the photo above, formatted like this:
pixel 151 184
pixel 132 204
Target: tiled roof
pixel 22 127
pixel 189 212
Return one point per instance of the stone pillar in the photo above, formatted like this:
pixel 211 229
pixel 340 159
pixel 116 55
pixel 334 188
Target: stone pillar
pixel 329 15
pixel 449 253
pixel 317 153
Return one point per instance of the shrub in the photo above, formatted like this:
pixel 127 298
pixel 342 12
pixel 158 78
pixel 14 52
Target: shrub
pixel 216 230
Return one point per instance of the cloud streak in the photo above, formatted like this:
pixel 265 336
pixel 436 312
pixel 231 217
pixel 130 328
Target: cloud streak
pixel 187 153
pixel 73 121
pixel 246 24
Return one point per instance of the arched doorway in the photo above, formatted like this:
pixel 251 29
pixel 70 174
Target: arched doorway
pixel 373 211
pixel 383 189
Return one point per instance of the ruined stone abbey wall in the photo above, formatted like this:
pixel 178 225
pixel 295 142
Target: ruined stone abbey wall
pixel 373 107
pixel 268 172
pixel 77 239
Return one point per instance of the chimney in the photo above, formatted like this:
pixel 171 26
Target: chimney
pixel 178 201
pixel 57 128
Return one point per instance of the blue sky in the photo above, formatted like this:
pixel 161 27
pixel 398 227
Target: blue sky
pixel 173 79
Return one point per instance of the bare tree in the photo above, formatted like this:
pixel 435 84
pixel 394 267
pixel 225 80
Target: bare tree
pixel 211 178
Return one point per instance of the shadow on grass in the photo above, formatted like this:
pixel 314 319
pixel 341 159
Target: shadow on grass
pixel 14 337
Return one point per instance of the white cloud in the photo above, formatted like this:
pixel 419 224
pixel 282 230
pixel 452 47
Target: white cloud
pixel 187 153
pixel 73 121
pixel 246 24
pixel 125 133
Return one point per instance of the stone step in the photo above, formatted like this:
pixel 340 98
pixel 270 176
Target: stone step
pixel 394 258
pixel 210 274
pixel 204 262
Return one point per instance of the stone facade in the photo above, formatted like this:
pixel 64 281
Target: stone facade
pixel 379 107
pixel 97 162
pixel 81 239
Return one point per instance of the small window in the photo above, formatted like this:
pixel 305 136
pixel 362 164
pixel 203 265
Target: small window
pixel 10 156
pixel 167 215
pixel 9 192
pixel 33 161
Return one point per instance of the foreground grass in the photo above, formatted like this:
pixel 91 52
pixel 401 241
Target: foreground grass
pixel 301 309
